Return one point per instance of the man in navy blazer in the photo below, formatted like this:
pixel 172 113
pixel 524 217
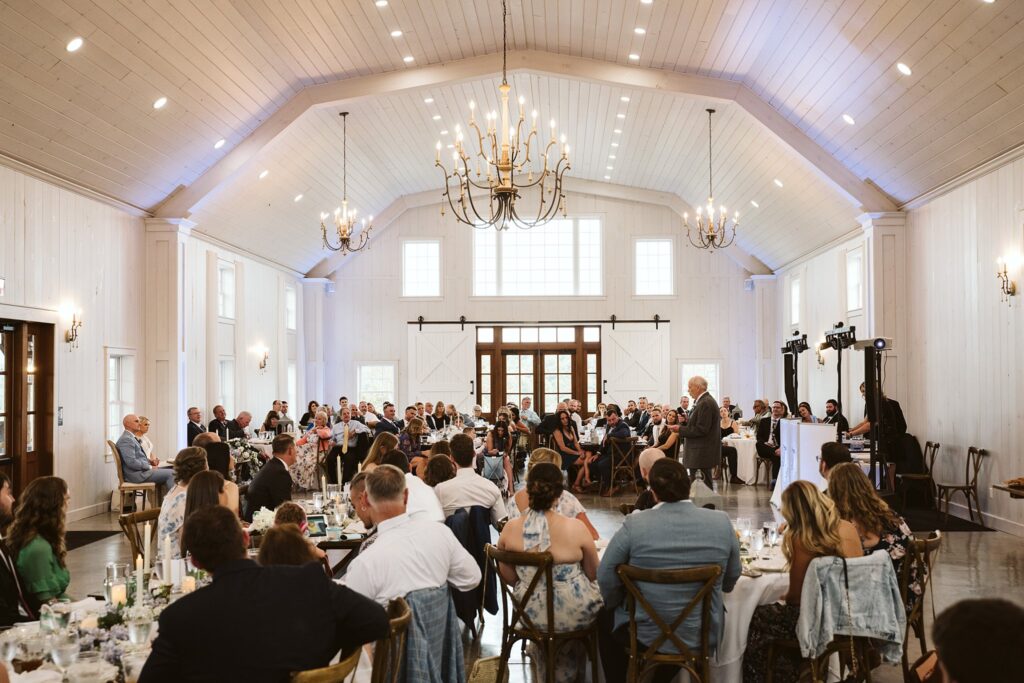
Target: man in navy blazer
pixel 137 468
pixel 291 618
pixel 674 534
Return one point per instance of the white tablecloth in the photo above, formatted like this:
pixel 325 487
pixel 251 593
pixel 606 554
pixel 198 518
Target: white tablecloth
pixel 746 457
pixel 746 595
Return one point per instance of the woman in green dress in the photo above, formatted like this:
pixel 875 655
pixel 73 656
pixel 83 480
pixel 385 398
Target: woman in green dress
pixel 36 539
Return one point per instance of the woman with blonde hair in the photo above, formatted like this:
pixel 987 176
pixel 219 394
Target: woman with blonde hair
pixel 438 419
pixel 384 442
pixel 814 529
pixel 567 504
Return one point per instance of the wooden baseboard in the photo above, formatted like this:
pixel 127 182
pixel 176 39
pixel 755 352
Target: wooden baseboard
pixel 990 520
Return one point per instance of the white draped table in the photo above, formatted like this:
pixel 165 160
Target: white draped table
pixel 746 457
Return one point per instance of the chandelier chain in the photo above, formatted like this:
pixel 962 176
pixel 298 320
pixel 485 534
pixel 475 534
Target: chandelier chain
pixel 344 155
pixel 711 192
pixel 504 42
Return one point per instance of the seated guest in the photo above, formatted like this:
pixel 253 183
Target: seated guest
pixel 386 423
pixel 356 487
pixel 187 463
pixel 285 422
pixel 577 598
pixel 655 426
pixel 979 641
pixel 219 423
pixel 206 489
pixel 439 468
pixel 631 416
pixel 832 454
pixel 270 422
pixel 477 417
pixel 729 426
pixel 322 617
pixel 468 488
pixel 382 444
pixel 531 418
pixel 195 424
pixel 437 420
pixel 497 465
pixel 453 415
pixel 598 419
pixel 668 438
pixel 410 413
pixel 422 502
pixel 834 417
pixel 410 553
pixel 813 529
pixel 674 535
pixel 36 541
pixel 346 433
pixel 649 456
pixel 284 544
pixel 768 439
pixel 684 409
pixel 218 453
pixel 272 484
pixel 735 412
pixel 565 442
pixel 760 411
pixel 804 410
pixel 312 408
pixel 137 468
pixel 567 505
pixel 147 445
pixel 549 423
pixel 13 605
pixel 440 448
pixel 602 466
pixel 239 427
pixel 310 450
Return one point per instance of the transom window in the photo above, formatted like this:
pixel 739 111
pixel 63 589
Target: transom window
pixel 855 279
pixel 560 258
pixel 421 268
pixel 709 370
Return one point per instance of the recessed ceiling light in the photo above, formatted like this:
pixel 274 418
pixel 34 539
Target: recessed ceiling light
pixel 74 44
pixel 634 56
pixel 624 99
pixel 639 30
pixel 298 197
pixel 610 168
pixel 611 156
pixel 159 104
pixel 989 1
pixel 621 116
pixel 848 119
pixel 219 143
pixel 646 2
pixel 428 100
pixel 381 3
pixel 437 117
pixel 607 177
pixel 451 146
pixel 778 182
pixel 754 204
pixel 618 131
pixel 444 132
pixel 615 144
pixel 264 173
pixel 407 59
pixel 396 33
pixel 904 69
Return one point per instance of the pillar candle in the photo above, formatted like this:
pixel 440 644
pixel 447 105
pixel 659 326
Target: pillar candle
pixel 344 440
pixel 139 582
pixel 323 485
pixel 188 584
pixel 119 594
pixel 338 463
pixel 167 560
pixel 147 537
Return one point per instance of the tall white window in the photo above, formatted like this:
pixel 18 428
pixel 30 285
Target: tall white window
pixel 376 383
pixel 226 385
pixel 421 268
pixel 225 289
pixel 293 383
pixel 120 392
pixel 652 267
pixel 290 305
pixel 794 301
pixel 709 370
pixel 855 279
pixel 560 258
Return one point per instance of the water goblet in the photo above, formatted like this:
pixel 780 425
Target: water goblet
pixel 773 533
pixel 318 501
pixel 64 648
pixel 756 545
pixel 138 631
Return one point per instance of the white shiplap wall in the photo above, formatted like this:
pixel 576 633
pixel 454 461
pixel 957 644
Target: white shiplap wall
pixel 711 315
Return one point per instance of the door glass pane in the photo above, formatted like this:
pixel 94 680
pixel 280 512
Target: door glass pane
pixel 547 334
pixel 591 334
pixel 30 433
pixel 31 391
pixel 3 436
pixel 550 364
pixel 592 403
pixel 510 335
pixel 512 363
pixel 566 334
pixel 528 335
pixel 526 384
pixel 3 352
pixel 485 364
pixel 565 385
pixel 31 353
pixel 485 335
pixel 3 394
pixel 526 363
pixel 550 402
pixel 564 363
pixel 485 384
pixel 512 381
pixel 550 384
pixel 591 362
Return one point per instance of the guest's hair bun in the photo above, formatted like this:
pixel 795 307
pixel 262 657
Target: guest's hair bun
pixel 544 486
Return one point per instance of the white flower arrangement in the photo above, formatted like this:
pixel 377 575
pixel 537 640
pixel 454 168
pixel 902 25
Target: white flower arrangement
pixel 248 459
pixel 262 520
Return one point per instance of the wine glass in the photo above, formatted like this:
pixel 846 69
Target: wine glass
pixel 756 545
pixel 743 526
pixel 318 501
pixel 64 648
pixel 772 529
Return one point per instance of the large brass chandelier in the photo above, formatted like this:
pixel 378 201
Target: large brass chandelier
pixel 487 184
pixel 711 232
pixel 344 219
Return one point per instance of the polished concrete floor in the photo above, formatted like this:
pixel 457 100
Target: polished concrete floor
pixel 971 564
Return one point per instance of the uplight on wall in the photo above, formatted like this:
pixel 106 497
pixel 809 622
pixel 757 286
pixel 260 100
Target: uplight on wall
pixel 1007 287
pixel 264 355
pixel 74 317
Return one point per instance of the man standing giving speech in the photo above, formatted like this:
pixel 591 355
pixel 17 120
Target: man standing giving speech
pixel 702 449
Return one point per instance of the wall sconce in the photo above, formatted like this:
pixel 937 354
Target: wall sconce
pixel 71 334
pixel 1007 286
pixel 819 356
pixel 264 353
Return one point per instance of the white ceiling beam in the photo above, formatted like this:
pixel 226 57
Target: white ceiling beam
pixel 744 259
pixel 182 202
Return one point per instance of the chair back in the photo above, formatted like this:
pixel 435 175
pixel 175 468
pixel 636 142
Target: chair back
pixel 389 652
pixel 336 673
pixel 118 463
pixel 974 455
pixel 218 457
pixel 513 609
pixel 931 450
pixel 131 525
pixel 622 449
pixel 917 568
pixel 696 663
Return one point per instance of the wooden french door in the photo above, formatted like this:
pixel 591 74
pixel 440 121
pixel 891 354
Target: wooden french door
pixel 26 401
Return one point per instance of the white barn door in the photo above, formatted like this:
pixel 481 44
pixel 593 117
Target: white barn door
pixel 442 365
pixel 635 362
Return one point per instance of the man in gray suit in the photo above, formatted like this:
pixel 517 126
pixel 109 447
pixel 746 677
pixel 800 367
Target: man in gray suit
pixel 139 469
pixel 675 534
pixel 702 449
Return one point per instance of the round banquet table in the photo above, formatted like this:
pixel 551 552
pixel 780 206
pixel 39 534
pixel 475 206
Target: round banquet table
pixel 746 457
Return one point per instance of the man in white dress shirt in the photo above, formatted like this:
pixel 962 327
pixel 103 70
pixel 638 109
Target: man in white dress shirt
pixel 468 488
pixel 355 428
pixel 531 418
pixel 410 553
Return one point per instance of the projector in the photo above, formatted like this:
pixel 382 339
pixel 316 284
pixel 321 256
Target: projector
pixel 879 344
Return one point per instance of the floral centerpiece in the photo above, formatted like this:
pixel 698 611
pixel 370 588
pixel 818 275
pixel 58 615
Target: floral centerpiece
pixel 248 459
pixel 262 520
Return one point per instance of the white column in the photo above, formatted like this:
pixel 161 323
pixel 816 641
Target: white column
pixel 312 339
pixel 766 338
pixel 886 289
pixel 165 332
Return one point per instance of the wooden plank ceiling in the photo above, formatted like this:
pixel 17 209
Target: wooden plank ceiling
pixel 226 65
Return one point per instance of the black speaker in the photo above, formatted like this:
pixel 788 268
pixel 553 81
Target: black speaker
pixel 789 361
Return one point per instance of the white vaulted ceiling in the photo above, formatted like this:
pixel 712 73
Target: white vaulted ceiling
pixel 227 66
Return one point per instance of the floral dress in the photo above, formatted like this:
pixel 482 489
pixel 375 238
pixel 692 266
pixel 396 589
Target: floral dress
pixel 170 521
pixel 568 505
pixel 305 473
pixel 895 541
pixel 577 598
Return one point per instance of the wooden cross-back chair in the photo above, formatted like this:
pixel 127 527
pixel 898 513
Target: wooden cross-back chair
pixel 918 566
pixel 970 486
pixel 133 526
pixel 127 488
pixel 927 477
pixel 623 462
pixel 389 653
pixel 696 663
pixel 336 673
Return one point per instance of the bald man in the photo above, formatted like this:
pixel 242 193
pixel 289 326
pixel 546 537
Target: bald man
pixel 138 469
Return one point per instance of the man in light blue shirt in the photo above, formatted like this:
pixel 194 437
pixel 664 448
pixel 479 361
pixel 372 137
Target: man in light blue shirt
pixel 531 418
pixel 137 468
pixel 674 534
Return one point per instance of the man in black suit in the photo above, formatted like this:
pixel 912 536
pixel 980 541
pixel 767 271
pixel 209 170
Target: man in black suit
pixel 237 427
pixel 643 416
pixel 195 424
pixel 12 595
pixel 702 434
pixel 294 618
pixel 631 416
pixel 272 484
pixel 219 423
pixel 834 417
pixel 602 467
pixel 410 413
pixel 768 440
pixel 387 423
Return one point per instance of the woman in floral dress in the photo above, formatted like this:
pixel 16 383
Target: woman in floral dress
pixel 311 449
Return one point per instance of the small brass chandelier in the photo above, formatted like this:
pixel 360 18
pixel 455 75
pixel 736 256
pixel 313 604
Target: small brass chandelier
pixel 711 232
pixel 488 197
pixel 344 218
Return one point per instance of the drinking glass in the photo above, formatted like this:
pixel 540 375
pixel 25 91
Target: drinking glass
pixel 54 617
pixel 133 664
pixel 743 526
pixel 138 631
pixel 756 545
pixel 32 650
pixel 334 494
pixel 772 533
pixel 9 645
pixel 318 501
pixel 64 649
